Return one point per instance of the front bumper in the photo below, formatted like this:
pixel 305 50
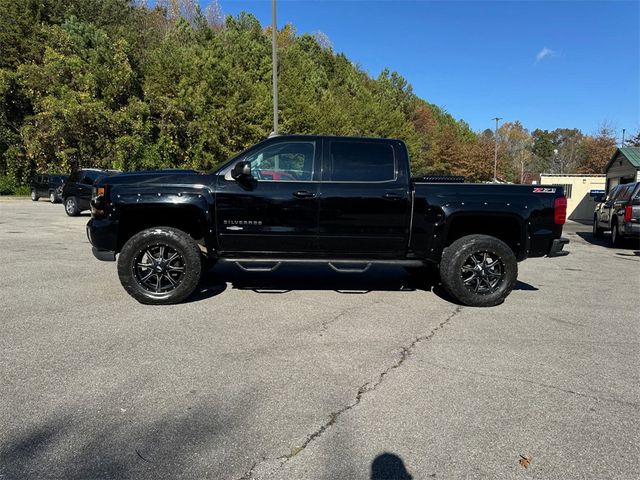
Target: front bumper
pixel 557 246
pixel 104 255
pixel 103 236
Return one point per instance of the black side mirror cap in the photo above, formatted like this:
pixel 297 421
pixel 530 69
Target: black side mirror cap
pixel 241 170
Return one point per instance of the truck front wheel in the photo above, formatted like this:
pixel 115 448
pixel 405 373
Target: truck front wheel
pixel 478 270
pixel 160 266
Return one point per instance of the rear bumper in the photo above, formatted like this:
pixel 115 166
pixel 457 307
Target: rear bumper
pixel 557 246
pixel 631 229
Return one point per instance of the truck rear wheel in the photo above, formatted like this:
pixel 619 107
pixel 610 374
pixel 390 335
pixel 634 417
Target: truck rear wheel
pixel 478 270
pixel 160 266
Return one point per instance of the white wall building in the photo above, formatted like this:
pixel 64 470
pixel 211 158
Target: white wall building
pixel 581 191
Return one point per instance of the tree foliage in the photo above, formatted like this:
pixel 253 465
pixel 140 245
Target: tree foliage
pixel 115 83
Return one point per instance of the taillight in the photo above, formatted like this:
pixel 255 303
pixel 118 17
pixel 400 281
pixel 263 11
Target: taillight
pixel 98 203
pixel 560 210
pixel 627 213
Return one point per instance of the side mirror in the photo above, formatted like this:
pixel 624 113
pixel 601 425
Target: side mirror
pixel 241 171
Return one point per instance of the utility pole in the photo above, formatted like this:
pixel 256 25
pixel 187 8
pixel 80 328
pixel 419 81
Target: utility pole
pixel 495 157
pixel 274 60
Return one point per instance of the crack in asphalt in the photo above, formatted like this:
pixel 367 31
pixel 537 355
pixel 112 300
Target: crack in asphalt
pixel 249 473
pixel 405 353
pixel 342 313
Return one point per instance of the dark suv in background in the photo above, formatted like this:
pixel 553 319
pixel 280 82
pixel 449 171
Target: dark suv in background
pixel 76 192
pixel 47 185
pixel 620 212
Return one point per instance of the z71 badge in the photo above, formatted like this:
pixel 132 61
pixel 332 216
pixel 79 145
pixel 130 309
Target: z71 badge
pixel 544 190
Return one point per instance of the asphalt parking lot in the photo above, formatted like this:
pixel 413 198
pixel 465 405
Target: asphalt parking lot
pixel 309 374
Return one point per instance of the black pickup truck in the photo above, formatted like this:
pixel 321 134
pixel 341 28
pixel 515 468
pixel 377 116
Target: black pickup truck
pixel 346 202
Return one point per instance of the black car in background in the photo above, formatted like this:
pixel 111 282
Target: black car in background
pixel 47 185
pixel 620 213
pixel 76 192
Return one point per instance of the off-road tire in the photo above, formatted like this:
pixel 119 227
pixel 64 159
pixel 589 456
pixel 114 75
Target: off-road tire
pixel 34 196
pixel 451 267
pixel 173 238
pixel 71 206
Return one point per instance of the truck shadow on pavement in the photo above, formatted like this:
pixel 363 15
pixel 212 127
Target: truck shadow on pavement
pixel 379 278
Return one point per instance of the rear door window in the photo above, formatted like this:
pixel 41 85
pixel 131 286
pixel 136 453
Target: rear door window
pixel 624 194
pixel 361 161
pixel 614 193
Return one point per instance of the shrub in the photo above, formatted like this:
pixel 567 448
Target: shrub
pixel 9 186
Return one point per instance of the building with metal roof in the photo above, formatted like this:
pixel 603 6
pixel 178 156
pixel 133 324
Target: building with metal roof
pixel 624 167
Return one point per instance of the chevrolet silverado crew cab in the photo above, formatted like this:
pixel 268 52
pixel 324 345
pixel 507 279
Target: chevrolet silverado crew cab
pixel 346 202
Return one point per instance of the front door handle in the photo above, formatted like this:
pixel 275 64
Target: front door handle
pixel 304 194
pixel 391 196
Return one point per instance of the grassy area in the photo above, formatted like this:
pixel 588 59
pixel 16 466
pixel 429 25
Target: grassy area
pixel 9 186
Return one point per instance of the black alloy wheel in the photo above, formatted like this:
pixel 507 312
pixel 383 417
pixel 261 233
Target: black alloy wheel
pixel 478 270
pixel 160 266
pixel 482 273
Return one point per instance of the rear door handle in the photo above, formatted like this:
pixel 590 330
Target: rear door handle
pixel 391 196
pixel 304 194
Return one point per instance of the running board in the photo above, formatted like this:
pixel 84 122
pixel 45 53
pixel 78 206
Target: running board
pixel 339 265
pixel 259 266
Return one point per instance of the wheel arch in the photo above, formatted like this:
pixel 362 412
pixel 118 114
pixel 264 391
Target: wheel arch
pixel 188 218
pixel 510 228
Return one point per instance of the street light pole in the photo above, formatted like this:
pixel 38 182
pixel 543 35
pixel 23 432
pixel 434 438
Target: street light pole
pixel 274 59
pixel 495 156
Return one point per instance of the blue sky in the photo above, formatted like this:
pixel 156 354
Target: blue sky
pixel 547 64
